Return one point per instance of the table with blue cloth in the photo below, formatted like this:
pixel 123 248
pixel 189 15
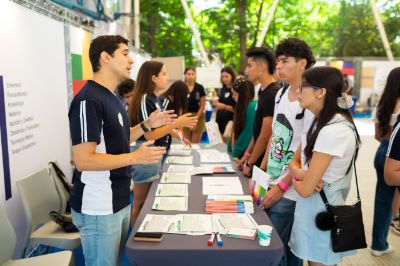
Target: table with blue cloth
pixel 177 249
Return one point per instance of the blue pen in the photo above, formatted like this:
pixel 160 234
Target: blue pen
pixel 219 240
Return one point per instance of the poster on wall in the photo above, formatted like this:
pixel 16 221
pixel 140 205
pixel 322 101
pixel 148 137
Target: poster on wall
pixel 209 77
pixel 80 63
pixel 33 101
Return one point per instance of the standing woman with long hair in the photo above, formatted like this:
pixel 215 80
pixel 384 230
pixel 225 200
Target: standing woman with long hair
pixel 196 105
pixel 322 162
pixel 386 115
pixel 152 81
pixel 175 98
pixel 225 103
pixel 243 121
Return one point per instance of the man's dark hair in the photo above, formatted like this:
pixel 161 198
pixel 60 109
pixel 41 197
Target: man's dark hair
pixel 296 48
pixel 125 87
pixel 262 53
pixel 106 43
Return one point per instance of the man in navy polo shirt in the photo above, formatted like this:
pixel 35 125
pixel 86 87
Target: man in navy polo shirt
pixel 101 133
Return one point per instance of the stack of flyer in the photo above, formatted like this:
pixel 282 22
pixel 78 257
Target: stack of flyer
pixel 229 204
pixel 242 233
pixel 209 169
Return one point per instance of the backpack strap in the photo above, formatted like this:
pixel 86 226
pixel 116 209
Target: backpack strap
pixel 284 89
pixel 61 176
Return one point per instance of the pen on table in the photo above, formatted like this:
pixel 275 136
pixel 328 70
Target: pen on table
pixel 211 239
pixel 219 240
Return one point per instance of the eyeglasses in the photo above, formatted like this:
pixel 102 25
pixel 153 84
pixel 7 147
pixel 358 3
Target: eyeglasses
pixel 305 84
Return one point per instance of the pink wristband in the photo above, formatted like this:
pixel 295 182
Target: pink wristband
pixel 246 153
pixel 283 185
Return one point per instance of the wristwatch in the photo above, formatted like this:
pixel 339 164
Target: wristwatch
pixel 144 128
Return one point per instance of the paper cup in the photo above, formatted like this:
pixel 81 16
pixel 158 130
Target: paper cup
pixel 264 235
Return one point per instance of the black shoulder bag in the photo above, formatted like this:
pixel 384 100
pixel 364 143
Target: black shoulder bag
pixel 344 221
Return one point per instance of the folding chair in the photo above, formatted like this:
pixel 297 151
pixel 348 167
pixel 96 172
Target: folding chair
pixel 7 248
pixel 39 197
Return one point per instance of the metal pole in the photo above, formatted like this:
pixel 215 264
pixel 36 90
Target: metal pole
pixel 382 31
pixel 195 32
pixel 136 10
pixel 127 9
pixel 267 22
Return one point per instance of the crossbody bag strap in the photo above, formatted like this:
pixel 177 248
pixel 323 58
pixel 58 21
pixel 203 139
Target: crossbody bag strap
pixel 353 162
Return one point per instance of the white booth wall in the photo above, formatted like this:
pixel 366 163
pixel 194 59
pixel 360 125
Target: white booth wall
pixel 33 68
pixel 34 74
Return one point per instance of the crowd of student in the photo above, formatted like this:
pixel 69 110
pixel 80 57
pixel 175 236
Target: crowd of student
pixel 286 128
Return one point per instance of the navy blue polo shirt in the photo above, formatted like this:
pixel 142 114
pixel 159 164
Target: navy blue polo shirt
pixel 98 115
pixel 393 151
pixel 149 104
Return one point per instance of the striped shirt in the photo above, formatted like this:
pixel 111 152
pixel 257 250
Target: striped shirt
pixel 393 151
pixel 149 104
pixel 97 115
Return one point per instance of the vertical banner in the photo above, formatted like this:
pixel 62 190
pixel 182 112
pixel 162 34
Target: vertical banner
pixel 4 143
pixel 81 67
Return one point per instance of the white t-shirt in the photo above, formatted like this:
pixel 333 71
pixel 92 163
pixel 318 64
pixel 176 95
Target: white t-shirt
pixel 338 140
pixel 286 136
pixel 256 89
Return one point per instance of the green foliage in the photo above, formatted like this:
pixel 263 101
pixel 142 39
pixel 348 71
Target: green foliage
pixel 331 28
pixel 358 36
pixel 164 31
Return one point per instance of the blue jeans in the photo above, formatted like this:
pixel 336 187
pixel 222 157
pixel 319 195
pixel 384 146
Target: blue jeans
pixel 103 236
pixel 383 202
pixel 281 215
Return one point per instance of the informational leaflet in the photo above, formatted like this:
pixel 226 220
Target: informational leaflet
pixel 229 204
pixel 236 220
pixel 260 184
pixel 170 203
pixel 213 156
pixel 244 198
pixel 222 185
pixel 158 223
pixel 203 170
pixel 194 224
pixel 172 190
pixel 225 168
pixel 242 233
pixel 179 160
pixel 180 168
pixel 184 147
pixel 180 152
pixel 176 178
pixel 197 224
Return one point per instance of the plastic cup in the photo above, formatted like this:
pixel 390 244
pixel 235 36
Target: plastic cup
pixel 264 235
